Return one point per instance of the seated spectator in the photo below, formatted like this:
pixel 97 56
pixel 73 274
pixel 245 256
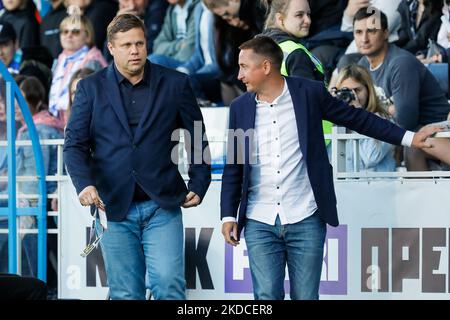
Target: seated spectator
pixel 374 155
pixel 443 38
pixel 77 76
pixel 3 151
pixel 77 40
pixel 389 7
pixel 288 24
pixel 437 55
pixel 176 41
pixel 100 13
pixel 420 22
pixel 244 14
pixel 47 127
pixel 401 79
pixel 326 40
pixel 202 67
pixel 21 14
pixel 152 13
pixel 153 20
pixel 236 21
pixel 49 33
pixel 10 54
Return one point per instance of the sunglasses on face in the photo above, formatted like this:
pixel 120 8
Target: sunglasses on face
pixel 75 32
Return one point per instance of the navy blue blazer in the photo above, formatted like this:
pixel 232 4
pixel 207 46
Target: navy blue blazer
pixel 100 150
pixel 312 103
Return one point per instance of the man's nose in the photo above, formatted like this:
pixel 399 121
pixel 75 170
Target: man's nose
pixel 134 49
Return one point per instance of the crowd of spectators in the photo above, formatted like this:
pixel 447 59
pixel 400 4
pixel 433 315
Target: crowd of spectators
pixel 395 52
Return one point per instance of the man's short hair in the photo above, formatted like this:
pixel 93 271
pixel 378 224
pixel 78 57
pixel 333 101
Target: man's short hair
pixel 368 12
pixel 123 23
pixel 265 47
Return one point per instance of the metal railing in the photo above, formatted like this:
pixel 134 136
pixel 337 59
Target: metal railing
pixel 338 138
pixel 12 211
pixel 338 159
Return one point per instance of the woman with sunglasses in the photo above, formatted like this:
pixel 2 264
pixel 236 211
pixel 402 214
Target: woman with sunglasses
pixel 77 41
pixel 374 155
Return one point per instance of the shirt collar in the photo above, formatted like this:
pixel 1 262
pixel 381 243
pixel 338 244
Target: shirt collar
pixel 145 78
pixel 277 99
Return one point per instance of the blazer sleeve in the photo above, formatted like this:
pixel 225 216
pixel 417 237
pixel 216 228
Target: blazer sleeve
pixel 198 150
pixel 232 177
pixel 358 119
pixel 77 143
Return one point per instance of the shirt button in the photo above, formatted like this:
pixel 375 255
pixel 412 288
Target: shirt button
pixel 276 139
pixel 278 155
pixel 278 203
pixel 134 101
pixel 278 171
pixel 278 187
pixel 271 105
pixel 274 122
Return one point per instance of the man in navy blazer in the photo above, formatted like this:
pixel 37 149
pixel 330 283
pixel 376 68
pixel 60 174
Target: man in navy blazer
pixel 278 181
pixel 121 158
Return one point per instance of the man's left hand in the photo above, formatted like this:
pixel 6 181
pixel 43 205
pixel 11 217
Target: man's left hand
pixel 420 137
pixel 192 200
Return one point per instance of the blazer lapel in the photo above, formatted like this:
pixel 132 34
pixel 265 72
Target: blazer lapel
pixel 113 93
pixel 150 109
pixel 249 124
pixel 299 101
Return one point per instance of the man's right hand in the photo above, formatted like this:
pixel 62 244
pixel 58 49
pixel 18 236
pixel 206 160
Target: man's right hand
pixel 229 231
pixel 89 196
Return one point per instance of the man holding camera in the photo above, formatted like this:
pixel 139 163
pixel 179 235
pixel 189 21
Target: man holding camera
pixel 277 182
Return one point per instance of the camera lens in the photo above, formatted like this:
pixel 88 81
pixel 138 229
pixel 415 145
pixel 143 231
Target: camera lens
pixel 345 94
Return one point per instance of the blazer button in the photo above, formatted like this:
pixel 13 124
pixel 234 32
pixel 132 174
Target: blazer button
pixel 133 172
pixel 134 146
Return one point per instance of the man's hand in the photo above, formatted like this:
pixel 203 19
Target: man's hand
pixel 192 200
pixel 89 196
pixel 229 231
pixel 420 137
pixel 354 5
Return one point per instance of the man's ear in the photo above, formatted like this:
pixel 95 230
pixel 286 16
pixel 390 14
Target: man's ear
pixel 267 66
pixel 111 48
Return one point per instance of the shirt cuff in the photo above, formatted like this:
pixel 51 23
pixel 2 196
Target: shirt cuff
pixel 408 139
pixel 228 219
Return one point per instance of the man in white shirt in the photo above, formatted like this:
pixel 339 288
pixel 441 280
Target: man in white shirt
pixel 278 182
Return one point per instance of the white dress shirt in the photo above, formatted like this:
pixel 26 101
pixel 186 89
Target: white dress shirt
pixel 279 182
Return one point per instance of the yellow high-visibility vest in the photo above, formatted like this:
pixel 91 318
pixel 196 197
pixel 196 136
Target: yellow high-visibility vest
pixel 289 46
